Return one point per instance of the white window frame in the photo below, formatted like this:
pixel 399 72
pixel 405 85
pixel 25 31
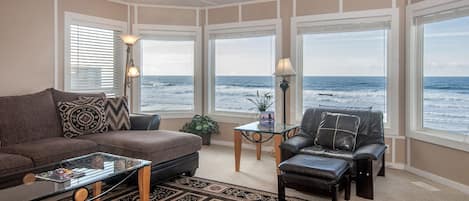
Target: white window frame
pixel 414 78
pixel 89 21
pixel 251 26
pixel 296 109
pixel 169 30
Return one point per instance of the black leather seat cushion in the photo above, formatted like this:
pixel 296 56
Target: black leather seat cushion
pixel 315 166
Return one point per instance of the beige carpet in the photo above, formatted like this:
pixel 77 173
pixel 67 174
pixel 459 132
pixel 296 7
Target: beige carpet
pixel 217 163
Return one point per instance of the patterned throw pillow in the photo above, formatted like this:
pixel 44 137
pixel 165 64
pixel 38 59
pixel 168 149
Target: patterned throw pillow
pixel 338 131
pixel 82 117
pixel 117 113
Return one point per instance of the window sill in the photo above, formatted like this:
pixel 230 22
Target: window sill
pixel 172 114
pixel 233 117
pixel 445 139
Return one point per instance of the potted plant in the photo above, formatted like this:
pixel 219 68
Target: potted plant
pixel 202 126
pixel 263 101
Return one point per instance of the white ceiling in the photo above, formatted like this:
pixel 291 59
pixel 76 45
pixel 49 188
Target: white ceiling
pixel 187 3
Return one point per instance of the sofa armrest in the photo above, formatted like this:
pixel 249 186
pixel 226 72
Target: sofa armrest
pixel 145 121
pixel 293 145
pixel 371 151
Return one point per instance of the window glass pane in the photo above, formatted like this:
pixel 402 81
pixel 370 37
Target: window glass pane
pixel 446 75
pixel 243 66
pixel 167 75
pixel 345 69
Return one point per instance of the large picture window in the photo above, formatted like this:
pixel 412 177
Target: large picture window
pixel 345 69
pixel 170 68
pixel 243 66
pixel 241 61
pixel 445 72
pixel 167 75
pixel 348 60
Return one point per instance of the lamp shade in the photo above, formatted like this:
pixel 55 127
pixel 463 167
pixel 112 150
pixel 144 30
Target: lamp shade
pixel 129 39
pixel 284 68
pixel 133 72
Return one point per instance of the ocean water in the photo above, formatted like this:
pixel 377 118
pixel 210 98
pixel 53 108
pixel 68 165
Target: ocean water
pixel 446 99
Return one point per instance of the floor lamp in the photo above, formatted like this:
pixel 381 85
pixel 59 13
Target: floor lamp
pixel 131 71
pixel 284 69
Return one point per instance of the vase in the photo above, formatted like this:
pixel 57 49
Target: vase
pixel 267 118
pixel 206 138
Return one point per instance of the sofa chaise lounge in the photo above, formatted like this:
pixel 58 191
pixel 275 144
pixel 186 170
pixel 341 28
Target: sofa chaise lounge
pixel 31 137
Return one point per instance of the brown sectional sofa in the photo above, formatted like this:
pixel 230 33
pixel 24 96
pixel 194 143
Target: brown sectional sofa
pixel 31 137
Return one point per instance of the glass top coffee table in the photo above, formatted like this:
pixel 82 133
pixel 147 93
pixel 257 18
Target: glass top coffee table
pixel 73 175
pixel 255 133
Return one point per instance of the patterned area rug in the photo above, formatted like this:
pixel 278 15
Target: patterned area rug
pixel 196 189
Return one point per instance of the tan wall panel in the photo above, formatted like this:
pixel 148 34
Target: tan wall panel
pixel 27 46
pixel 223 15
pixel 166 16
pixel 388 153
pixel 259 11
pixel 439 160
pixel 98 8
pixel 286 7
pixel 314 7
pixel 400 151
pixel 173 124
pixel 354 5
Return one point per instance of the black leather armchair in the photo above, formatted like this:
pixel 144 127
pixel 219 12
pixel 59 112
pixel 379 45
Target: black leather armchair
pixel 367 161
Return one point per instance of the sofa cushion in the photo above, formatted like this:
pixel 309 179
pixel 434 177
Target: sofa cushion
pixel 10 163
pixel 27 118
pixel 82 117
pixel 51 150
pixel 157 146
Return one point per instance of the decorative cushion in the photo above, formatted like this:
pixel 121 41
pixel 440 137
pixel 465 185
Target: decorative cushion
pixel 82 117
pixel 338 131
pixel 117 113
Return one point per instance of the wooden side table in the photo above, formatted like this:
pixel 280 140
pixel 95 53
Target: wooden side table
pixel 253 133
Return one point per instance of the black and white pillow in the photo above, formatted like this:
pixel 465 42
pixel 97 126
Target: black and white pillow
pixel 338 131
pixel 117 112
pixel 82 117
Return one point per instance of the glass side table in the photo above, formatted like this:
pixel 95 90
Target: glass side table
pixel 253 132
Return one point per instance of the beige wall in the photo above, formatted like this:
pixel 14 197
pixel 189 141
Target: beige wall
pixel 27 46
pixel 166 16
pixel 439 160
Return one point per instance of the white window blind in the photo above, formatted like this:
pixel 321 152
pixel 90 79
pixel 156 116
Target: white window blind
pixel 245 32
pixel 96 60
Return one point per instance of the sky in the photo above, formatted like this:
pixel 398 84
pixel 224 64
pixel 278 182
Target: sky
pixel 446 48
pixel 363 53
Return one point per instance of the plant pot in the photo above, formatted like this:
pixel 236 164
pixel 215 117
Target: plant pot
pixel 206 138
pixel 267 118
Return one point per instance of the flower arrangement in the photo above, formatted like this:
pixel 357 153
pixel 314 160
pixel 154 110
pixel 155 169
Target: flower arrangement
pixel 263 101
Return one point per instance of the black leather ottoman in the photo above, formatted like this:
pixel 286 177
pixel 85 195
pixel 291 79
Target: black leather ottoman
pixel 314 174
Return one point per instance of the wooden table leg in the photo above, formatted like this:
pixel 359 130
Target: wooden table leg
pixel 97 189
pixel 80 194
pixel 277 142
pixel 258 137
pixel 258 150
pixel 237 149
pixel 144 183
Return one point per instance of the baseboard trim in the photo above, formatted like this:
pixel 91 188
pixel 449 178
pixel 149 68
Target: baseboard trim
pixel 397 166
pixel 249 146
pixel 439 179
